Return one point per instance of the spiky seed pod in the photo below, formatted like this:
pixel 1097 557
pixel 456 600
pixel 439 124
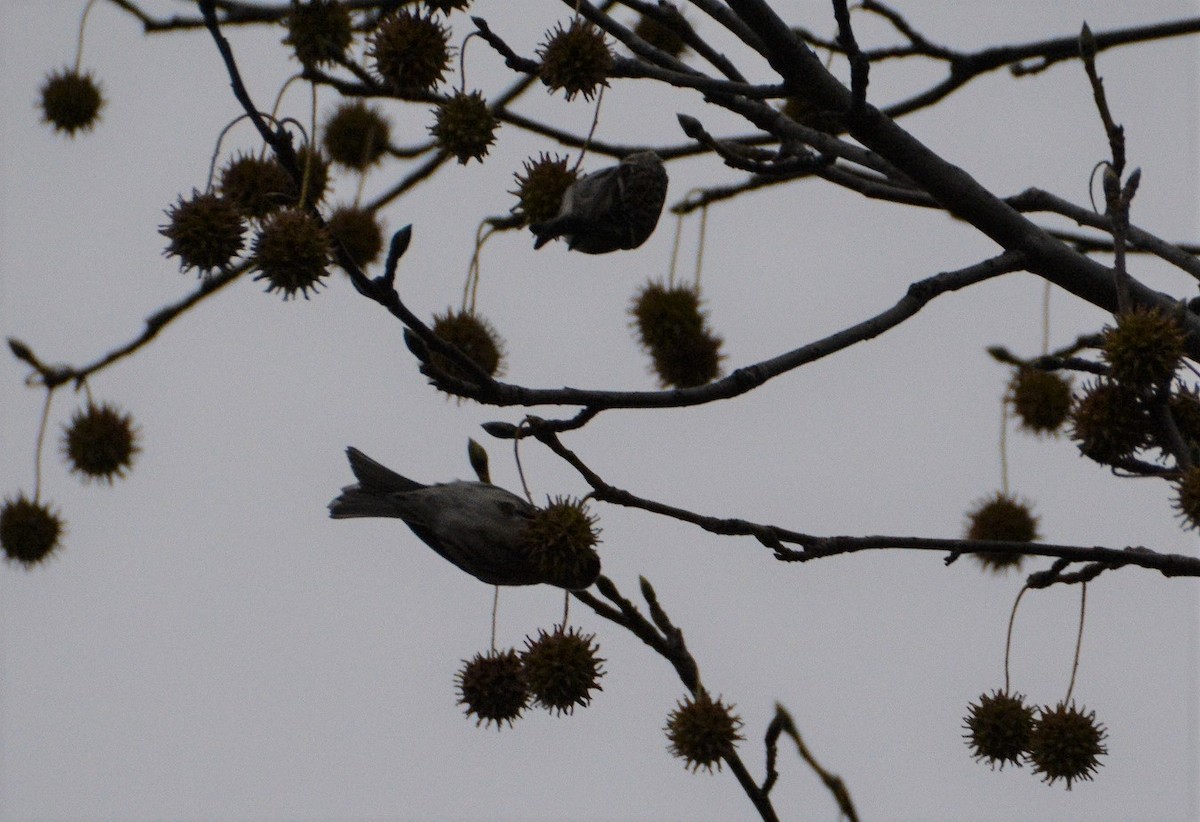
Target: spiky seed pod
pixel 447 6
pixel 356 136
pixel 71 101
pixel 1001 517
pixel 206 232
pixel 29 530
pixel 1187 498
pixel 464 126
pixel 319 31
pixel 291 252
pixel 358 232
pixel 474 336
pixel 1066 743
pixel 1041 400
pixel 688 360
pixel 661 313
pixel 674 331
pixel 1144 348
pixel 663 36
pixel 100 442
pixel 562 669
pixel 1108 422
pixel 702 732
pixel 998 728
pixel 493 688
pixel 561 542
pixel 541 187
pixel 576 59
pixel 256 186
pixel 411 51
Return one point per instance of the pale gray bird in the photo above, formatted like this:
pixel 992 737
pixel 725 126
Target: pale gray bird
pixel 477 526
pixel 610 209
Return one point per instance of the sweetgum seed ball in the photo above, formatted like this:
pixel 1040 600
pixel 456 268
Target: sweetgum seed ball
pixel 575 59
pixel 71 101
pixel 255 185
pixel 1108 422
pixel 561 541
pixel 100 442
pixel 493 688
pixel 319 31
pixel 358 232
pixel 1001 517
pixel 998 728
pixel 674 331
pixel 29 530
pixel 1066 743
pixel 1143 349
pixel 464 126
pixel 1187 497
pixel 205 232
pixel 411 51
pixel 562 669
pixel 1041 400
pixel 258 186
pixel 291 252
pixel 356 136
pixel 541 186
pixel 702 731
pixel 1005 519
pixel 474 336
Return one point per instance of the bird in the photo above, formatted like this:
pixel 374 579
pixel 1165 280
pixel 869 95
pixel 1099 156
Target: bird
pixel 477 526
pixel 611 209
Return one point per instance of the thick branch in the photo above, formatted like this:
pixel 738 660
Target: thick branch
pixel 748 378
pixel 951 186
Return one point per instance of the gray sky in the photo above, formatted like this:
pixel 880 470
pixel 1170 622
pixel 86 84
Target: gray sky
pixel 208 645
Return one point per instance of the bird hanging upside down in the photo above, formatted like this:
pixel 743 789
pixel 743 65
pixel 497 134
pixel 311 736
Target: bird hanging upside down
pixel 611 209
pixel 478 526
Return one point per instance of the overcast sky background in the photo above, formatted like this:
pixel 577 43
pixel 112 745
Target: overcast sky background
pixel 208 645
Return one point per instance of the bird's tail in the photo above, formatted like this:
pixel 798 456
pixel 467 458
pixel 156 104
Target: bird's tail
pixel 369 497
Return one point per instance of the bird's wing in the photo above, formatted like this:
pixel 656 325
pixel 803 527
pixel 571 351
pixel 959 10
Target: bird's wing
pixel 480 531
pixel 595 192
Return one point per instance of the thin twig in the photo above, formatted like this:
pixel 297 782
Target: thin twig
pixel 667 640
pixel 782 722
pixel 1012 618
pixel 816 547
pixel 1078 640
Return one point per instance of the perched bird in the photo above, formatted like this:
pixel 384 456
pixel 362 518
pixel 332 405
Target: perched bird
pixel 610 209
pixel 477 526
